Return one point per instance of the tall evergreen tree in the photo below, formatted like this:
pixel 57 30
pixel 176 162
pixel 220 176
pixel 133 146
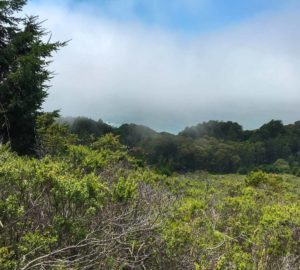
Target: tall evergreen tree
pixel 24 58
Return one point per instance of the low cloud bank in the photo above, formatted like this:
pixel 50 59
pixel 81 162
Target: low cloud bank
pixel 129 72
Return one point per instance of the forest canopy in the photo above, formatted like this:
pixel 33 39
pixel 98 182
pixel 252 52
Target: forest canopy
pixel 214 146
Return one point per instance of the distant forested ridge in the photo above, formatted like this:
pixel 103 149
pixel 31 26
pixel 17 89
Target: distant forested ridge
pixel 214 146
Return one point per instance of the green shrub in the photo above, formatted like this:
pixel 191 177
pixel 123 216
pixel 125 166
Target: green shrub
pixel 256 178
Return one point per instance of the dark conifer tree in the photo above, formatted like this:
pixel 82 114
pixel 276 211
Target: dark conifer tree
pixel 24 58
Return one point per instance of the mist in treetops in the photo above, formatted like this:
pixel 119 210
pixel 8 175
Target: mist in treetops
pixel 172 64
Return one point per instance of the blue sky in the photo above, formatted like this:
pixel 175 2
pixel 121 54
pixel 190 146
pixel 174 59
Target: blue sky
pixel 183 15
pixel 169 64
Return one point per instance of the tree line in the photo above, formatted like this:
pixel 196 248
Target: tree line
pixel 214 146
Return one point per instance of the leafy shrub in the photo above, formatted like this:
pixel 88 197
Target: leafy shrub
pixel 281 166
pixel 93 204
pixel 125 189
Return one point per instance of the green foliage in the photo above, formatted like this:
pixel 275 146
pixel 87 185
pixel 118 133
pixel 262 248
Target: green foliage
pixel 108 142
pixel 281 166
pixel 256 178
pixel 132 135
pixel 217 129
pixel 214 146
pixel 53 138
pixel 86 129
pixel 95 200
pixel 23 75
pixel 125 189
pixel 106 151
pixel 264 180
pixel 225 222
pixel 76 205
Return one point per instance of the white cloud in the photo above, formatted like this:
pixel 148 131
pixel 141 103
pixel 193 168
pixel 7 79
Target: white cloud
pixel 127 72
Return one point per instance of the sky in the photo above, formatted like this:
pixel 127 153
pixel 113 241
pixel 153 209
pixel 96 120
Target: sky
pixel 169 64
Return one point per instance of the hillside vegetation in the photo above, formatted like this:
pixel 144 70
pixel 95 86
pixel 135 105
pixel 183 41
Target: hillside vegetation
pixel 95 207
pixel 214 146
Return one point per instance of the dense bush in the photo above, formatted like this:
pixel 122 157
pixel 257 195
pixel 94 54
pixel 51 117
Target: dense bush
pixel 84 208
pixel 225 222
pixel 95 208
